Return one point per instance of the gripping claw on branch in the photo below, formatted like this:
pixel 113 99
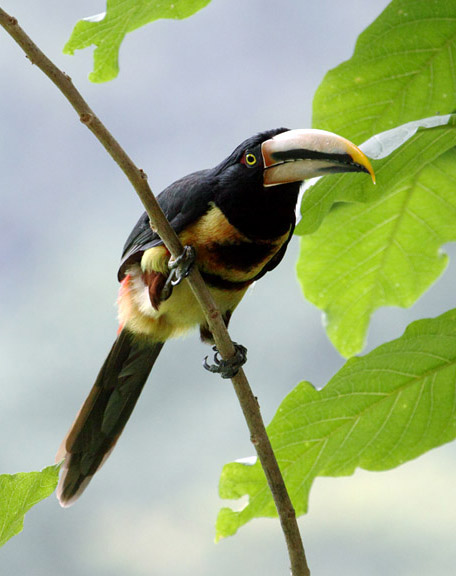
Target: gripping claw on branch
pixel 227 368
pixel 179 268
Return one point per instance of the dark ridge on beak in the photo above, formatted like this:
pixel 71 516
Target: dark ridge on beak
pixel 344 161
pixel 303 154
pixel 353 167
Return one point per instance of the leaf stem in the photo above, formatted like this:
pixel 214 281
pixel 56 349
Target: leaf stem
pixel 138 179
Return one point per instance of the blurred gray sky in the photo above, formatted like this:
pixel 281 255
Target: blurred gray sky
pixel 187 94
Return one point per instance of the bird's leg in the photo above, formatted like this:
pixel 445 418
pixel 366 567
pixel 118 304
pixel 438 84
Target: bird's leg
pixel 227 368
pixel 179 268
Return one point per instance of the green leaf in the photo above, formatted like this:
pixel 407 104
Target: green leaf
pixel 107 30
pixel 18 493
pixel 322 193
pixel 402 69
pixel 387 252
pixel 376 413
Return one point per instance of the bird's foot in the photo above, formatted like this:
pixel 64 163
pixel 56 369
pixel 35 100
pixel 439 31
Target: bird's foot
pixel 179 268
pixel 227 368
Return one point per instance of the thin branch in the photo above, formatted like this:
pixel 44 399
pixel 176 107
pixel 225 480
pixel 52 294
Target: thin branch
pixel 138 179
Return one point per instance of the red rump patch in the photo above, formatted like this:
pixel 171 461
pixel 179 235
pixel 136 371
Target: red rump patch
pixel 123 291
pixel 124 286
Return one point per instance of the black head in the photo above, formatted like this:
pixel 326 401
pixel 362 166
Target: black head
pixel 257 186
pixel 241 195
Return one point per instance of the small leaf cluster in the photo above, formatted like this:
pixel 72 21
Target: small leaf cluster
pixel 107 30
pixel 19 493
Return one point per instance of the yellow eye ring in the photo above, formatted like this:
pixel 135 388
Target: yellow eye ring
pixel 250 159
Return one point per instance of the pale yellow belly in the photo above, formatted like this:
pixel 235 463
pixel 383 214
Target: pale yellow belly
pixel 175 316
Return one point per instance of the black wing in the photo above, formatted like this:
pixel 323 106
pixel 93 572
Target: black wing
pixel 183 202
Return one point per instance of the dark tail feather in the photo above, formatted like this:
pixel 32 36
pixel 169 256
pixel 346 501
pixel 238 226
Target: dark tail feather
pixel 104 414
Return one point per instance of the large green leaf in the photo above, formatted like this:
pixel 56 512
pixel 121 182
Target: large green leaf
pixel 402 69
pixel 108 30
pixel 322 193
pixel 387 252
pixel 377 412
pixel 18 493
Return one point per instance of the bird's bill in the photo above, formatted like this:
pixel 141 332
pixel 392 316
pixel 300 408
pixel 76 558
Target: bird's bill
pixel 297 155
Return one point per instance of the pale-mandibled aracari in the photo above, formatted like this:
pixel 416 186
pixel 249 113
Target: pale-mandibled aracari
pixel 238 217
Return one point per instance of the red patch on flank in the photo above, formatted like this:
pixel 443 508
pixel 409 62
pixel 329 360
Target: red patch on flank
pixel 124 286
pixel 123 291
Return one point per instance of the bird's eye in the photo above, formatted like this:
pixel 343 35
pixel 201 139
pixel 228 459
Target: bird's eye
pixel 250 159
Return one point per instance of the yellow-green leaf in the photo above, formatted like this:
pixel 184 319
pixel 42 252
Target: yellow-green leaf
pixel 106 31
pixel 19 493
pixel 376 413
pixel 402 69
pixel 386 252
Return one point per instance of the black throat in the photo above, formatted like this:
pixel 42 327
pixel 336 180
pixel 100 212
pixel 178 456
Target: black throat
pixel 260 212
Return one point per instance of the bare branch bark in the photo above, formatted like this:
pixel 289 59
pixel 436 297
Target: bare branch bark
pixel 138 179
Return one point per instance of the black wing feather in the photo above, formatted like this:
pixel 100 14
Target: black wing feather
pixel 183 202
pixel 105 412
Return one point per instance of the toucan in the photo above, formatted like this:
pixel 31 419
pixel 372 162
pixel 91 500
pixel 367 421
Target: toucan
pixel 236 221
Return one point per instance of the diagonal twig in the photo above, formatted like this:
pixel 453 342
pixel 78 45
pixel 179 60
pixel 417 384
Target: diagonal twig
pixel 138 179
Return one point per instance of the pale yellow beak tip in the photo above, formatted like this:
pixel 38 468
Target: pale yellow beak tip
pixel 372 173
pixel 369 168
pixel 360 158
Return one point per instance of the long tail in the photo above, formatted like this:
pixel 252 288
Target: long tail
pixel 104 414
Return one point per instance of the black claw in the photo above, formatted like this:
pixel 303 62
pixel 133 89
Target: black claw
pixel 179 268
pixel 227 368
